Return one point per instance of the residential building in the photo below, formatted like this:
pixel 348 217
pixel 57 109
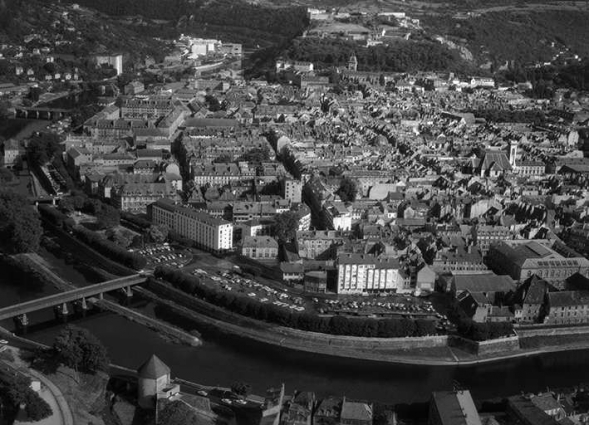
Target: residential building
pixel 259 247
pixel 530 301
pixel 299 410
pixel 338 215
pixel 484 235
pixel 459 259
pixel 135 197
pixel 356 413
pixel 317 243
pixel 567 307
pixel 363 273
pixel 527 413
pixel 328 411
pixel 209 233
pixel 12 152
pixel 453 408
pixel 292 272
pixel 292 190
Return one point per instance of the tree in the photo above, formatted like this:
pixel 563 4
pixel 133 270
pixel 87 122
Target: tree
pixel 66 205
pixel 122 237
pixel 77 348
pixel 43 147
pixel 347 190
pixel 158 233
pixel 241 389
pixel 285 226
pixel 107 216
pixel 256 155
pixel 177 413
pixel 16 389
pixel 20 227
pixel 222 159
pixel 4 109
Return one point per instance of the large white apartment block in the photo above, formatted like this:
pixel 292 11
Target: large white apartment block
pixel 209 233
pixel 360 273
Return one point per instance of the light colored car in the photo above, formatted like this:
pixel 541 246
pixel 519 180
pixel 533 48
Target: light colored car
pixel 226 401
pixel 202 393
pixel 3 342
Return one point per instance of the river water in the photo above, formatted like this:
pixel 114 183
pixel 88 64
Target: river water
pixel 222 360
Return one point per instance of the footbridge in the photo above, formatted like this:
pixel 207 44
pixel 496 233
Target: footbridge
pixel 61 300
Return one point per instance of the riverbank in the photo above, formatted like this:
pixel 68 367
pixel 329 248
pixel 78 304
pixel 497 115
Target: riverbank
pixel 387 350
pixel 426 351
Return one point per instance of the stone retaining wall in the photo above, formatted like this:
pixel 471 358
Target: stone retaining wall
pixel 501 345
pixel 552 331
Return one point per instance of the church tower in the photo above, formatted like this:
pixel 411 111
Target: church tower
pixel 512 153
pixel 353 63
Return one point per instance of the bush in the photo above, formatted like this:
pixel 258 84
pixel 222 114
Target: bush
pixel 484 331
pixel 109 249
pixel 336 325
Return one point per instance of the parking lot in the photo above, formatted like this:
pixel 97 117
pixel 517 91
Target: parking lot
pixel 165 254
pixel 389 306
pixel 231 281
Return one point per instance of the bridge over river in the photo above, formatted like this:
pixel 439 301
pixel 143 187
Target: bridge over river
pixel 60 301
pixel 41 113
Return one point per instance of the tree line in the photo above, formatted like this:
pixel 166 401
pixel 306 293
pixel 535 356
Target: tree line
pixel 400 56
pixel 336 325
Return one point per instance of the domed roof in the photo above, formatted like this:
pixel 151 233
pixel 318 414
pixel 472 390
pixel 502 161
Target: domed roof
pixel 153 368
pixel 173 169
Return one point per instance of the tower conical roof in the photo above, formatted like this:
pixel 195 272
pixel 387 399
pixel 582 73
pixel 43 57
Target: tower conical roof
pixel 153 368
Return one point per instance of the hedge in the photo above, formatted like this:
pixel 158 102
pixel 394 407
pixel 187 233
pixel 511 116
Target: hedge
pixel 109 249
pixel 55 216
pixel 140 222
pixel 336 325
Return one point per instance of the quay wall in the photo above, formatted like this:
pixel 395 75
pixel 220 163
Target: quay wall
pixel 482 348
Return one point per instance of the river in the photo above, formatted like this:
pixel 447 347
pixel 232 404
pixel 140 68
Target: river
pixel 222 360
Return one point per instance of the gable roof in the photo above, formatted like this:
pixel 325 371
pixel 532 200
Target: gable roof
pixel 479 282
pixel 495 159
pixel 356 411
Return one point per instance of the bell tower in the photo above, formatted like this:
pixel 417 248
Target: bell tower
pixel 353 63
pixel 512 153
